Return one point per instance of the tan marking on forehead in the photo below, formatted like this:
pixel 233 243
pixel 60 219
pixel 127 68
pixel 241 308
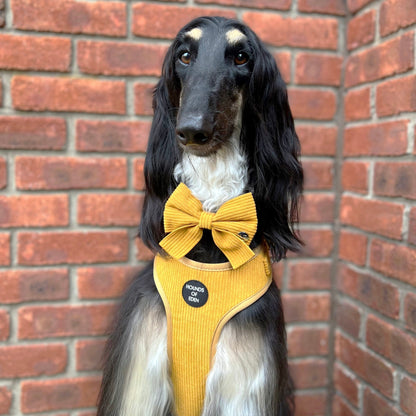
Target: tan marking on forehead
pixel 195 33
pixel 234 35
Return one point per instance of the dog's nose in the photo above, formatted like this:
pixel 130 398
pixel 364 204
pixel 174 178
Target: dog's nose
pixel 193 130
pixel 192 136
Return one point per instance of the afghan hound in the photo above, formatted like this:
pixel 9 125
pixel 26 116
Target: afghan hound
pixel 222 126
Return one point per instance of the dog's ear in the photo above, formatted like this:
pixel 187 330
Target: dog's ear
pixel 273 148
pixel 162 153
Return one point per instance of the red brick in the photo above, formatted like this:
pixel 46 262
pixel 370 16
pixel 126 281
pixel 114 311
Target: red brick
pixel 109 209
pixel 283 60
pixel 389 58
pixel 353 247
pixel 357 105
pixel 346 384
pixel 348 318
pixel 37 322
pixel 5 400
pixel 371 291
pixel 33 285
pixel 374 405
pixel 4 328
pixel 361 30
pixel 57 394
pixel 340 408
pixel 412 226
pixel 395 261
pixel 309 373
pixel 32 133
pixel 317 208
pixel 384 218
pixel 3 173
pixel 72 247
pixel 408 396
pixel 1 92
pixel 278 271
pixel 143 94
pixel 34 211
pixel 139 181
pixel 48 173
pixel 89 354
pixel 410 311
pixel 311 404
pixel 257 4
pixel 312 104
pixel 397 179
pixel 318 175
pixel 396 96
pixel 4 249
pixel 309 276
pixel 164 21
pixel 396 14
pixel 391 342
pixel 366 365
pixel 104 282
pixel 116 58
pixel 318 243
pixel 317 140
pixel 43 54
pixel 303 341
pixel 306 307
pixel 355 5
pixel 142 252
pixel 355 176
pixel 70 16
pixel 318 69
pixel 336 7
pixel 30 93
pixel 382 139
pixel 112 136
pixel 32 360
pixel 300 32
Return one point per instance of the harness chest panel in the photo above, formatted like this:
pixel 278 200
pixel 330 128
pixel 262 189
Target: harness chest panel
pixel 199 300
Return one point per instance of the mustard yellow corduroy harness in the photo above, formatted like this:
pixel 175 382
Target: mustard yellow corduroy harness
pixel 201 298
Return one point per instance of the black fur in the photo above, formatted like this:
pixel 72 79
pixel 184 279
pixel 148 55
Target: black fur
pixel 270 142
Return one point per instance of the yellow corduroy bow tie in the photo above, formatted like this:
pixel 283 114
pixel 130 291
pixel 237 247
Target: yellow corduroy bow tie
pixel 233 226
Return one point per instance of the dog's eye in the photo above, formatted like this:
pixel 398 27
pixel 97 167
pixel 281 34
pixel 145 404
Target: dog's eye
pixel 185 58
pixel 241 58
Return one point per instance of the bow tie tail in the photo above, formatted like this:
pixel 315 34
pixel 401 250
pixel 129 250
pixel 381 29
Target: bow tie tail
pixel 181 241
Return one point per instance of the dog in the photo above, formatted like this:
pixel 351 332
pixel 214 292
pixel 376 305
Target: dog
pixel 222 126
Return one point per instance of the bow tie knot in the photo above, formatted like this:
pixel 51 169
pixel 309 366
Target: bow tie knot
pixel 233 226
pixel 205 220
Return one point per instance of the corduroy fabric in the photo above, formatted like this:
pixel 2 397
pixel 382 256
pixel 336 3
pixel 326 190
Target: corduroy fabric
pixel 233 226
pixel 193 332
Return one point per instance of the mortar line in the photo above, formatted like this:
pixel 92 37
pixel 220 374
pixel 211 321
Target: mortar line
pixel 338 161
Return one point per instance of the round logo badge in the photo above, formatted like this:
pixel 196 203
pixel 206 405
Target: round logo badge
pixel 195 293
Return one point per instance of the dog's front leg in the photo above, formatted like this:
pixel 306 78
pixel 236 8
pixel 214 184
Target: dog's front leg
pixel 243 379
pixel 136 378
pixel 148 390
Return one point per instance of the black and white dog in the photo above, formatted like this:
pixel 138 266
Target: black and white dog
pixel 223 126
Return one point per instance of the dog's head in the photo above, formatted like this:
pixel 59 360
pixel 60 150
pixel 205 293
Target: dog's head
pixel 219 84
pixel 213 61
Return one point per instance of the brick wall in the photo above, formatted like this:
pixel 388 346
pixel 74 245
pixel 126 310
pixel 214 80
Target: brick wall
pixel 75 90
pixel 375 297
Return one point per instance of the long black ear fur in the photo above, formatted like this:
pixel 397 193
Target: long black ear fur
pixel 276 175
pixel 162 154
